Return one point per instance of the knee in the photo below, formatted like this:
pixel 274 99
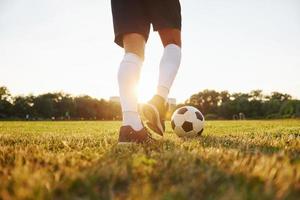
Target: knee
pixel 175 41
pixel 134 43
pixel 136 52
pixel 170 36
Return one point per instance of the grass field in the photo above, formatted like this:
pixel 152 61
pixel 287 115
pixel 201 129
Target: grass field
pixel 80 160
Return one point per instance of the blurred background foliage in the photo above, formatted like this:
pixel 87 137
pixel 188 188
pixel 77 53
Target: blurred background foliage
pixel 213 104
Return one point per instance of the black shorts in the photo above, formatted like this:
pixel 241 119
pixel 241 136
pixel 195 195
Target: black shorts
pixel 136 16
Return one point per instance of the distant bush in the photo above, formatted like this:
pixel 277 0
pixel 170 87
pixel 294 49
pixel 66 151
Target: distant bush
pixel 211 116
pixel 273 116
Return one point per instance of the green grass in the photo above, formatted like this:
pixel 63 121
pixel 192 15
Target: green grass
pixel 80 160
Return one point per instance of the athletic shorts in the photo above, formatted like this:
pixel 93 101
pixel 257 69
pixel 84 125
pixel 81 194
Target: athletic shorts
pixel 136 16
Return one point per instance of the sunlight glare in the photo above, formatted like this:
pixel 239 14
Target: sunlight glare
pixel 144 92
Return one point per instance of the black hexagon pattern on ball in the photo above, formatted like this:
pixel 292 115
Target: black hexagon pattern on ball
pixel 199 116
pixel 182 111
pixel 187 126
pixel 200 132
pixel 173 124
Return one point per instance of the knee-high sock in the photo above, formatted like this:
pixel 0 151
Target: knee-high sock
pixel 168 68
pixel 128 77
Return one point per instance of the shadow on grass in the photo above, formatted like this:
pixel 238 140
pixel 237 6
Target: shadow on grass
pixel 237 143
pixel 162 171
pixel 246 145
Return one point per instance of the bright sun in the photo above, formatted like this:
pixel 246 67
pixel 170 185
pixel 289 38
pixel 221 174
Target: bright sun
pixel 144 92
pixel 148 82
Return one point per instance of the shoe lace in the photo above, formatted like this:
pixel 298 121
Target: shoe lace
pixel 149 136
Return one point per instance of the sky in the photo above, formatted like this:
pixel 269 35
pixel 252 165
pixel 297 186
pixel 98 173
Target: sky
pixel 67 45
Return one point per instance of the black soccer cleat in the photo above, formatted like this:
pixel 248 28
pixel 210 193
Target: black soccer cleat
pixel 154 114
pixel 128 135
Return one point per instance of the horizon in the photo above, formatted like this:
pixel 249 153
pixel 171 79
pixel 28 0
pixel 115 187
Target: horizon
pixel 64 45
pixel 113 98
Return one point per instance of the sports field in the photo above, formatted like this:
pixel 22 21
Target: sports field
pixel 80 160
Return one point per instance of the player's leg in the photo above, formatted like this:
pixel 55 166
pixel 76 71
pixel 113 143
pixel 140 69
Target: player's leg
pixel 155 110
pixel 131 33
pixel 170 61
pixel 128 77
pixel 132 129
pixel 166 19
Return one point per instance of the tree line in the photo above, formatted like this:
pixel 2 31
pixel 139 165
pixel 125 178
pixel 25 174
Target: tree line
pixel 56 106
pixel 253 105
pixel 213 104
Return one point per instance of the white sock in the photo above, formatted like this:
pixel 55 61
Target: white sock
pixel 132 119
pixel 168 68
pixel 128 77
pixel 163 92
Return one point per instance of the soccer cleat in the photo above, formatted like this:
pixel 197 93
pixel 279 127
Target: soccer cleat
pixel 154 114
pixel 128 135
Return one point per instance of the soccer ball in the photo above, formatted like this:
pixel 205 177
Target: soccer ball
pixel 187 121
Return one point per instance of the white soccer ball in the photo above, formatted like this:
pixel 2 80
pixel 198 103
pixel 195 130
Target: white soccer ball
pixel 187 121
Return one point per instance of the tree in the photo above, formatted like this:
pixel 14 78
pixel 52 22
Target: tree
pixel 207 101
pixel 44 105
pixel 86 107
pixel 290 108
pixel 280 97
pixel 64 106
pixel 22 106
pixel 5 103
pixel 256 95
